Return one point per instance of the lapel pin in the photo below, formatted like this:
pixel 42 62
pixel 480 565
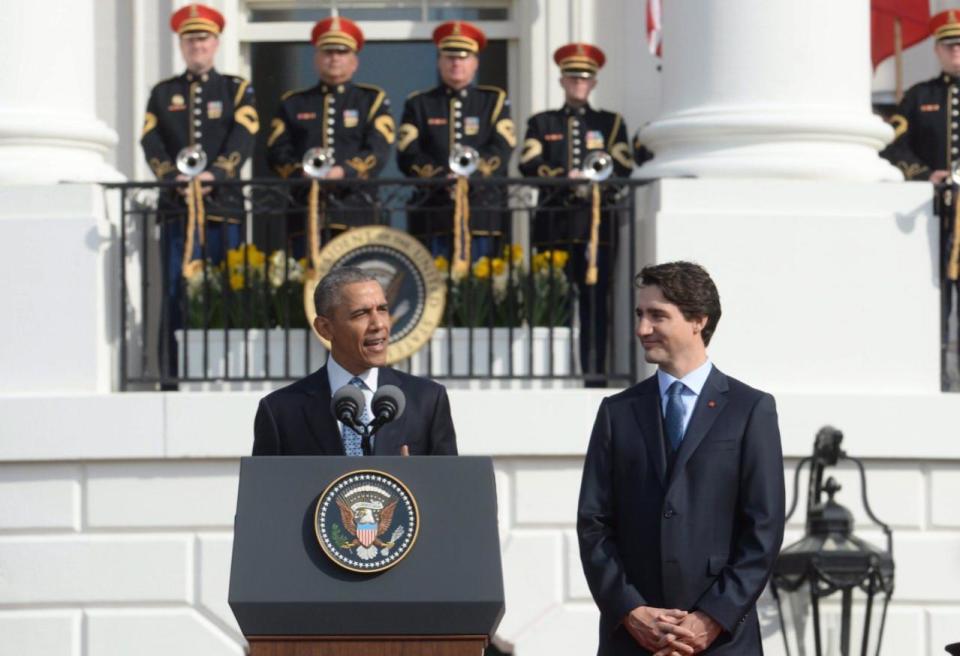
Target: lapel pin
pixel 711 403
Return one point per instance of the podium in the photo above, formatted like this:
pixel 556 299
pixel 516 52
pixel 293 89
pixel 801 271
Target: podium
pixel 443 597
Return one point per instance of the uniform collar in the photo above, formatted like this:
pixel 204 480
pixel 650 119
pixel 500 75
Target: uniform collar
pixel 946 78
pixel 462 93
pixel 333 88
pixel 199 78
pixel 576 111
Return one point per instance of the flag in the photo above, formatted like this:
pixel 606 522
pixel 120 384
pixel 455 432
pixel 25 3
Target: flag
pixel 654 28
pixel 914 17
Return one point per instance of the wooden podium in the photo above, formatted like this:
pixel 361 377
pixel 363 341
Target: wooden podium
pixel 444 598
pixel 366 646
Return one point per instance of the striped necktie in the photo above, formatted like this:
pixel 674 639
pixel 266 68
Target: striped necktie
pixel 351 438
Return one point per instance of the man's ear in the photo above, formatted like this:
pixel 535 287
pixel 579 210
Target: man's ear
pixel 698 324
pixel 322 325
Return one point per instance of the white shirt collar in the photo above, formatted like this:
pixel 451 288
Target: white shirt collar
pixel 338 376
pixel 694 381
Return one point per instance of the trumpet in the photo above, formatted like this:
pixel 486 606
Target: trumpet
pixel 463 160
pixel 597 166
pixel 191 161
pixel 317 162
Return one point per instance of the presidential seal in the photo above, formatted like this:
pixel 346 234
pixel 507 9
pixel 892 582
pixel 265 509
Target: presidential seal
pixel 366 521
pixel 415 289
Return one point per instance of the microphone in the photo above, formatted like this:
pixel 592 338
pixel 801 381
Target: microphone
pixel 388 404
pixel 347 406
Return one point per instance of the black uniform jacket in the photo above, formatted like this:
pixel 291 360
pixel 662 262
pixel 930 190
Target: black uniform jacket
pixel 352 119
pixel 556 142
pixel 698 530
pixel 927 128
pixel 434 121
pixel 216 111
pixel 296 420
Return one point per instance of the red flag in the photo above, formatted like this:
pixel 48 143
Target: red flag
pixel 914 17
pixel 654 28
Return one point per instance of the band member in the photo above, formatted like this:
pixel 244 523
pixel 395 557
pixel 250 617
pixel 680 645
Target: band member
pixel 556 144
pixel 199 106
pixel 351 119
pixel 457 112
pixel 927 147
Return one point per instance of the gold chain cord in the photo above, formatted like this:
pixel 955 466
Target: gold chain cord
pixel 594 236
pixel 461 226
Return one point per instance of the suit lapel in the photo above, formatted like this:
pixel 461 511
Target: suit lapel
pixel 646 410
pixel 712 399
pixel 319 418
pixel 388 440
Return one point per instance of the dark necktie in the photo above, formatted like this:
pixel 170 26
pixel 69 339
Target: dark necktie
pixel 351 438
pixel 673 422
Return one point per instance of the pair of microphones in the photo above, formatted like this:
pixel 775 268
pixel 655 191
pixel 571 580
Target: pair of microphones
pixel 387 405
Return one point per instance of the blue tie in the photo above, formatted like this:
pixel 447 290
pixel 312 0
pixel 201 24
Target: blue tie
pixel 674 419
pixel 351 438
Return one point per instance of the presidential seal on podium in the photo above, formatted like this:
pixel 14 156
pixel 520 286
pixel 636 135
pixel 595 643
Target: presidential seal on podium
pixel 366 521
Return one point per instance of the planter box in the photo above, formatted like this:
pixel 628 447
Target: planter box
pixel 266 354
pixel 499 352
pixel 553 353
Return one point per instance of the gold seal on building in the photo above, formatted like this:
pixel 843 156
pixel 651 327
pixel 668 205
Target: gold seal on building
pixel 414 288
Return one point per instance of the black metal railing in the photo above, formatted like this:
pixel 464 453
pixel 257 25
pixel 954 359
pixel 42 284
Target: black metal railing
pixel 945 202
pixel 521 311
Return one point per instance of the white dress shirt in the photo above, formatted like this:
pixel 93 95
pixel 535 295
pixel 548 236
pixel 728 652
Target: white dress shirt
pixel 693 384
pixel 338 377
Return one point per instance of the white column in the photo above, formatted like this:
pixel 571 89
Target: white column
pixel 761 88
pixel 48 128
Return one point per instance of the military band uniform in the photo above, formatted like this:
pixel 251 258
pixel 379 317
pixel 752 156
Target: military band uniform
pixel 218 113
pixel 927 139
pixel 433 122
pixel 351 119
pixel 556 142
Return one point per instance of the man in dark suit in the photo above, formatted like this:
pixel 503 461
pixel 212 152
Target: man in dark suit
pixel 682 502
pixel 352 314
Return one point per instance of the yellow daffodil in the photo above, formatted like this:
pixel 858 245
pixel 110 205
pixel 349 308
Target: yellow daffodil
pixel 481 268
pixel 441 263
pixel 255 258
pixel 499 266
pixel 560 259
pixel 236 281
pixel 514 253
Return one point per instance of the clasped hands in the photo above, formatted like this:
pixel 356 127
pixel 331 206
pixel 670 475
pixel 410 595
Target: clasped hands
pixel 671 632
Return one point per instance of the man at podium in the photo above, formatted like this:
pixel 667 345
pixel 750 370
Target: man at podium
pixel 352 314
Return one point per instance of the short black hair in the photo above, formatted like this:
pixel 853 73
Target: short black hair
pixel 688 286
pixel 328 294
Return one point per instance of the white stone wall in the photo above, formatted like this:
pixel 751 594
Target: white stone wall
pixel 100 557
pixel 116 516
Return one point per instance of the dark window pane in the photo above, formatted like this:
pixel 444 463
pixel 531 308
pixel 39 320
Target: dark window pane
pixel 466 13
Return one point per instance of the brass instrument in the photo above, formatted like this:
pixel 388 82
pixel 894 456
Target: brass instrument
pixel 317 162
pixel 191 161
pixel 463 160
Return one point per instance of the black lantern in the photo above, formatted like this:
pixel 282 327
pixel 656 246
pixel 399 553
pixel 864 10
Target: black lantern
pixel 832 584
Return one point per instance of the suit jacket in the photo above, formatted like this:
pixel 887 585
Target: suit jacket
pixel 700 535
pixel 296 420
